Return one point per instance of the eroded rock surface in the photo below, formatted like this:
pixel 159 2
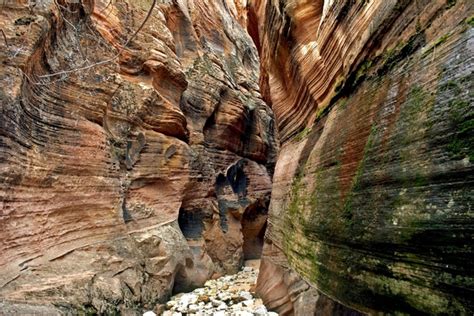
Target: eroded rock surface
pixel 372 197
pixel 114 126
pixel 136 158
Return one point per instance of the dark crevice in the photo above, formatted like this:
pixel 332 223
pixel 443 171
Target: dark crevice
pixel 191 223
pixel 254 225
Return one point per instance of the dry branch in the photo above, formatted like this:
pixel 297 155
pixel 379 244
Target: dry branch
pixel 4 37
pixel 110 59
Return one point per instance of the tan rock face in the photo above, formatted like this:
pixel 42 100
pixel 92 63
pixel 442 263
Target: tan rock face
pixel 373 185
pixel 137 152
pixel 108 136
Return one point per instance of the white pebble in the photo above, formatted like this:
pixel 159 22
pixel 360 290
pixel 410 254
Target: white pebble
pixel 221 307
pixel 260 311
pixel 248 303
pixel 193 308
pixel 170 304
pixel 242 313
pixel 245 295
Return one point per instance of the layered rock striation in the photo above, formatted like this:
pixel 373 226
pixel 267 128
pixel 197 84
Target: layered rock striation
pixel 125 127
pixel 371 207
pixel 138 147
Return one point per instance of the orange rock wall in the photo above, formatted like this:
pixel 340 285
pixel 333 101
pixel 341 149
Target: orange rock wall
pixel 107 136
pixel 373 185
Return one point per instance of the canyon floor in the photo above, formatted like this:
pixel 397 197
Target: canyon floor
pixel 232 295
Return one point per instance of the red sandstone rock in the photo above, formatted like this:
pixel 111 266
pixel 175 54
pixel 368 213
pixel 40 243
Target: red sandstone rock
pixel 105 137
pixel 372 185
pixel 166 133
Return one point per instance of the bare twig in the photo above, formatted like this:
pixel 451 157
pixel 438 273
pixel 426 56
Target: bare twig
pixel 24 74
pixel 65 8
pixel 106 7
pixel 58 6
pixel 110 59
pixel 4 37
pixel 96 37
pixel 78 43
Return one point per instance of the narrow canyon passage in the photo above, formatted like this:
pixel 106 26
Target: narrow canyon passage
pixel 150 149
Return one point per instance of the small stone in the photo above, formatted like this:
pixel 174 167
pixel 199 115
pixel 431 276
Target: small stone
pixel 260 311
pixel 248 303
pixel 258 301
pixel 182 309
pixel 170 304
pixel 193 308
pixel 209 283
pixel 212 292
pixel 221 307
pixel 200 291
pixel 272 314
pixel 224 296
pixel 237 307
pixel 186 299
pixel 203 298
pixel 149 313
pixel 236 298
pixel 215 302
pixel 245 295
pixel 242 313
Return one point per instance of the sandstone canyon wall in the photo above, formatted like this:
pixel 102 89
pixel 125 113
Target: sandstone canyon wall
pixel 136 151
pixel 372 198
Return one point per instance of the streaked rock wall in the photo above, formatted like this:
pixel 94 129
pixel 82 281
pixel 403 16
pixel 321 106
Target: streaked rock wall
pixel 109 130
pixel 372 196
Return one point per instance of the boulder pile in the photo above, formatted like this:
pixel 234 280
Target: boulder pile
pixel 230 295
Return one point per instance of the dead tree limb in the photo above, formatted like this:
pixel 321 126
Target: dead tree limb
pixel 110 59
pixel 4 37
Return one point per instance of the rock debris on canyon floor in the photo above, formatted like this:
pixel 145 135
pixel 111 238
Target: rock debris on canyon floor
pixel 147 146
pixel 229 295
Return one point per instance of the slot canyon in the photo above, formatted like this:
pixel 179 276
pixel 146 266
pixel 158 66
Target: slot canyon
pixel 151 147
